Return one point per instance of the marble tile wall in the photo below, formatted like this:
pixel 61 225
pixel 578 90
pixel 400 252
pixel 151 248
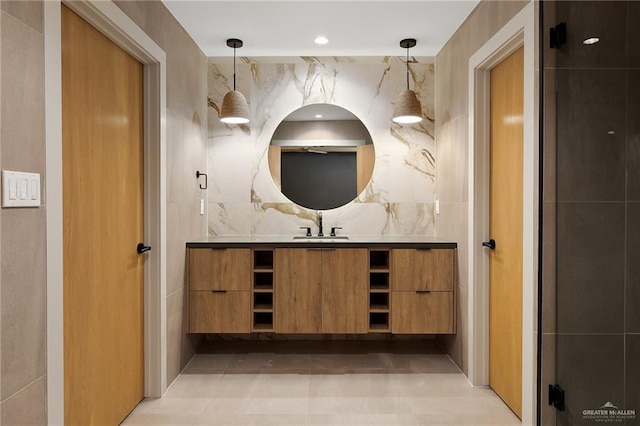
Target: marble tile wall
pixel 451 127
pixel 186 153
pixel 22 231
pixel 244 200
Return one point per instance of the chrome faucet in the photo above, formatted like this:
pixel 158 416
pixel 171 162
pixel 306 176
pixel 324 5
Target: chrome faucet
pixel 320 233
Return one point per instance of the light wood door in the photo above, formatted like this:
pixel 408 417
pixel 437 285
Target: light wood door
pixel 220 269
pixel 298 293
pixel 345 304
pixel 505 262
pixel 418 269
pixel 422 312
pixel 102 108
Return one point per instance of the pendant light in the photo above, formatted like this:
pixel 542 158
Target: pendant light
pixel 234 108
pixel 407 109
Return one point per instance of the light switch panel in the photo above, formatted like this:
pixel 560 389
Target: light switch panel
pixel 20 189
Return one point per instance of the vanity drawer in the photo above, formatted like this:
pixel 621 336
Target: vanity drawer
pixel 219 311
pixel 422 269
pixel 219 269
pixel 419 312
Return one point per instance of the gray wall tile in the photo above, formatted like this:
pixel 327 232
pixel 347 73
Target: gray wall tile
pixel 633 34
pixel 548 412
pixel 604 19
pixel 22 97
pixel 632 288
pixel 186 130
pixel 548 304
pixel 22 298
pixel 26 408
pixel 590 369
pixel 549 133
pixel 590 267
pixel 590 160
pixel 22 255
pixel 633 135
pixel 451 100
pixel 632 373
pixel 30 13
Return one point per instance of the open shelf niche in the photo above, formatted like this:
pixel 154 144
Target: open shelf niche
pixel 379 294
pixel 262 290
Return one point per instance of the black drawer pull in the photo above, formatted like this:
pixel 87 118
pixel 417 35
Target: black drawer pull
pixel 218 291
pixel 423 291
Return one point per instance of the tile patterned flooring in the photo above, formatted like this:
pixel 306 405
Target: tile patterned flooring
pixel 322 383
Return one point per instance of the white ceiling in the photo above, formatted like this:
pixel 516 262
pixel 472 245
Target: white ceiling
pixel 288 28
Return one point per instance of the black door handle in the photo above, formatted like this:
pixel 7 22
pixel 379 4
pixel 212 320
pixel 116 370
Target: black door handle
pixel 490 244
pixel 141 248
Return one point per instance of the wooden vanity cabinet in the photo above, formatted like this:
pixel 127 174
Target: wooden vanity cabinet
pixel 422 296
pixel 220 311
pixel 345 304
pixel 321 290
pixel 422 269
pixel 219 290
pixel 298 297
pixel 312 290
pixel 220 269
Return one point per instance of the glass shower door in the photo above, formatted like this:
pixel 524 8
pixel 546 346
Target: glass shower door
pixel 591 199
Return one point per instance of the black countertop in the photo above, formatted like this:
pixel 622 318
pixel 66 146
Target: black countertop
pixel 420 242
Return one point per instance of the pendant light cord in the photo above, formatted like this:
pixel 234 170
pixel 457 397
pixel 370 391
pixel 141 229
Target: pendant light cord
pixel 407 68
pixel 234 68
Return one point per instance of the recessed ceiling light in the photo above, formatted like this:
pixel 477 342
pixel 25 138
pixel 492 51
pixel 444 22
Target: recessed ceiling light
pixel 321 40
pixel 318 116
pixel 591 40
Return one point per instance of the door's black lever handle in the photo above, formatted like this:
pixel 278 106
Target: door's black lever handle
pixel 141 248
pixel 491 244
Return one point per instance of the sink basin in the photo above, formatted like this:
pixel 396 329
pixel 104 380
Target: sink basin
pixel 325 238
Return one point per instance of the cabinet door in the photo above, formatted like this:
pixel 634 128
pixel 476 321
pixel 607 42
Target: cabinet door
pixel 422 312
pixel 416 269
pixel 220 312
pixel 344 291
pixel 219 269
pixel 298 291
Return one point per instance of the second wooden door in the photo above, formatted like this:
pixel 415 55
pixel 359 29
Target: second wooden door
pixel 505 262
pixel 102 158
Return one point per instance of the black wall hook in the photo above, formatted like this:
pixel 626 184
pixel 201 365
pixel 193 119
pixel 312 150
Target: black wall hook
pixel 206 179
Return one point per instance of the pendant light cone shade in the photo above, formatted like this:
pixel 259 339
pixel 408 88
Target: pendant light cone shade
pixel 234 108
pixel 407 109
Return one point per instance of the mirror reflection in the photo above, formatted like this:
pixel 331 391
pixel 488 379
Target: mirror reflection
pixel 321 156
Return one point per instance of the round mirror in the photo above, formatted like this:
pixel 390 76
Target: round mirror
pixel 321 156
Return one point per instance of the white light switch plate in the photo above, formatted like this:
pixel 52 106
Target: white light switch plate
pixel 20 189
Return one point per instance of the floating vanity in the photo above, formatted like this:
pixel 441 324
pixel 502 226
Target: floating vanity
pixel 321 285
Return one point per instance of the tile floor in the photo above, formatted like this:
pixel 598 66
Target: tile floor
pixel 322 383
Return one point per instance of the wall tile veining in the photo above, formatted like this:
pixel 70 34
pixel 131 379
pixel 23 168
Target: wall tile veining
pixel 244 200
